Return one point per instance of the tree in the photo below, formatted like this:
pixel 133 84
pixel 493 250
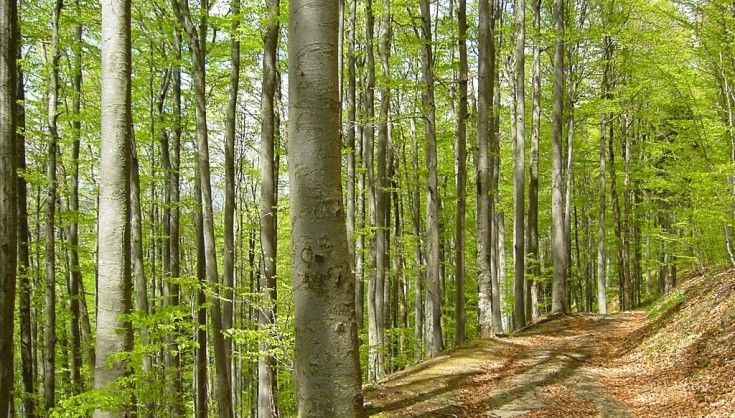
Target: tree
pixel 49 347
pixel 268 218
pixel 326 357
pixel 434 297
pixel 559 243
pixel 534 268
pixel 485 141
pixel 114 283
pixel 519 168
pixel 462 116
pixel 197 44
pixel 8 197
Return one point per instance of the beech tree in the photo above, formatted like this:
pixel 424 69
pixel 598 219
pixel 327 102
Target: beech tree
pixel 8 198
pixel 114 282
pixel 327 375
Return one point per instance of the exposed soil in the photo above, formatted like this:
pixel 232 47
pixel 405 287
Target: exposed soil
pixel 678 360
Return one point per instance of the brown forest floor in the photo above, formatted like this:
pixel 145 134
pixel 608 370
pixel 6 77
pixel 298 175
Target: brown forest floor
pixel 676 360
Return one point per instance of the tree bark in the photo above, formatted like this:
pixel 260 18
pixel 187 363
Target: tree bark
pixel 382 203
pixel 267 406
pixel 8 197
pixel 228 278
pixel 351 99
pixel 462 117
pixel 485 138
pixel 114 286
pixel 49 348
pixel 327 362
pixel 197 44
pixel 76 273
pixel 534 268
pixel 434 297
pixel 559 252
pixel 519 169
pixel 375 289
pixel 202 400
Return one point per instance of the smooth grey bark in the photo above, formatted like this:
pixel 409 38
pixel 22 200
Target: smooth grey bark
pixel 267 406
pixel 534 267
pixel 434 297
pixel 8 197
pixel 558 245
pixel 519 169
pixel 49 347
pixel 485 140
pixel 328 379
pixel 114 284
pixel 460 219
pixel 25 285
pixel 197 44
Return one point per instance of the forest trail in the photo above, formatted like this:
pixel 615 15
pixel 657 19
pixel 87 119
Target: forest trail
pixel 620 365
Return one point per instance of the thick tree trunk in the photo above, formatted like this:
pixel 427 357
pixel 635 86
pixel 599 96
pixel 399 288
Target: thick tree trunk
pixel 519 169
pixel 604 129
pixel 267 406
pixel 559 251
pixel 419 255
pixel 114 286
pixel 8 197
pixel 485 139
pixel 460 221
pixel 49 348
pixel 197 44
pixel 327 363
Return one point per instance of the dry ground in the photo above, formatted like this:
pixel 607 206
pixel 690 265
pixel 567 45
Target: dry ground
pixel 676 360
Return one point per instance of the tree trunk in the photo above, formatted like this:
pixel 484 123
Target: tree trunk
pixel 534 268
pixel 434 297
pixel 229 209
pixel 49 356
pixel 519 168
pixel 326 352
pixel 9 48
pixel 114 286
pixel 375 289
pixel 197 44
pixel 485 139
pixel 382 204
pixel 76 273
pixel 202 401
pixel 351 206
pixel 462 116
pixel 268 217
pixel 559 251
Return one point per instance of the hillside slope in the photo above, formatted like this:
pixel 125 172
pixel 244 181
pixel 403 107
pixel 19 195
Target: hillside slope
pixel 676 360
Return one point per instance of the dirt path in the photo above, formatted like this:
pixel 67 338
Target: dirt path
pixel 552 369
